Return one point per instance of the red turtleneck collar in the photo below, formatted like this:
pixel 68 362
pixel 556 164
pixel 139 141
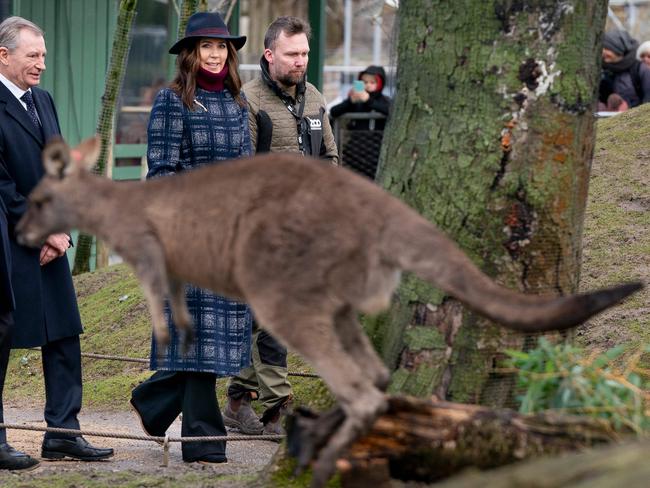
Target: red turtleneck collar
pixel 211 81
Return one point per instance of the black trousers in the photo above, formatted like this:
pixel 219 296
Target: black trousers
pixel 166 394
pixel 63 389
pixel 6 329
pixel 62 373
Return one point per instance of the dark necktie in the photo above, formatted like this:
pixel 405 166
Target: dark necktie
pixel 31 108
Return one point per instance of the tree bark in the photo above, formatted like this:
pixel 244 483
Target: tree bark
pixel 490 137
pixel 422 440
pixel 114 78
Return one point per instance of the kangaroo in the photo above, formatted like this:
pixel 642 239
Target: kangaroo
pixel 307 245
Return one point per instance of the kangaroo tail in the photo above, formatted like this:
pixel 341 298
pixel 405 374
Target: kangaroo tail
pixel 417 246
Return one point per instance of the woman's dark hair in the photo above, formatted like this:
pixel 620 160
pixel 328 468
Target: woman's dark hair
pixel 187 65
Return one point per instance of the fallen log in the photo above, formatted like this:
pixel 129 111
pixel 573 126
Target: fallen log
pixel 423 440
pixel 622 465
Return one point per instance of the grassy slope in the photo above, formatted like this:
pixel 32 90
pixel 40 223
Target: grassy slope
pixel 617 228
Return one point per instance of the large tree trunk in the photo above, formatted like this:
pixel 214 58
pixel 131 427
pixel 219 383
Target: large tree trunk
pixel 490 137
pixel 114 78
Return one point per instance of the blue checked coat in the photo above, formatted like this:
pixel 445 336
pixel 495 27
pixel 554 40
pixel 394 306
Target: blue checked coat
pixel 181 139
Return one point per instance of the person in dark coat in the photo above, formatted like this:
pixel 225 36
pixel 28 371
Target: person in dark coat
pixel 9 458
pixel 46 313
pixel 202 118
pixel 370 99
pixel 360 150
pixel 623 73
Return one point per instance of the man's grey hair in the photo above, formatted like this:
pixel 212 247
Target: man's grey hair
pixel 11 27
pixel 289 25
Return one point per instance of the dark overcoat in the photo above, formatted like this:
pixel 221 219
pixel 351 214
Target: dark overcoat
pixel 46 305
pixel 7 303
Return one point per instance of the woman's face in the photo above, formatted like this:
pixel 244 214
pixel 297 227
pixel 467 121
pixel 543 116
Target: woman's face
pixel 213 54
pixel 645 57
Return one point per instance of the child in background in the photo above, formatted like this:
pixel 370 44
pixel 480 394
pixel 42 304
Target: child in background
pixel 368 99
pixel 361 152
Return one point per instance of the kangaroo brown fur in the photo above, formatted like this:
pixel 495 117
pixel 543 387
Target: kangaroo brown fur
pixel 307 245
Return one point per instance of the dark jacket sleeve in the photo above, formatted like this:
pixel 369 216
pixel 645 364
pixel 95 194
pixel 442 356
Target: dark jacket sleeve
pixel 15 203
pixel 644 75
pixel 342 108
pixel 379 104
pixel 164 134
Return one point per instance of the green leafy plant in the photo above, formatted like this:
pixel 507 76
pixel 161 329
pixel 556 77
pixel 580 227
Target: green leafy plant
pixel 562 377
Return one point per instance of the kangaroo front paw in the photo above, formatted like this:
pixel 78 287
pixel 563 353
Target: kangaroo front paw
pixel 324 468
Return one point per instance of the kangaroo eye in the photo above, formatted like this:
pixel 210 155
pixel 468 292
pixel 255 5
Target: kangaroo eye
pixel 38 204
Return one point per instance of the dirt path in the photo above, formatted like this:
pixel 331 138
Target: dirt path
pixel 245 457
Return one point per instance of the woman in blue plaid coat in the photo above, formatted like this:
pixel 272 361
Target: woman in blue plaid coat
pixel 202 118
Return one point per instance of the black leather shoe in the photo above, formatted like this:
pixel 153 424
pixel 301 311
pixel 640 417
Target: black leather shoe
pixel 15 460
pixel 77 448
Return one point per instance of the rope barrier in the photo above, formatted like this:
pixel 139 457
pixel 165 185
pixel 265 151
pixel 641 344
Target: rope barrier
pixel 163 441
pixel 136 437
pixel 146 361
pixel 140 437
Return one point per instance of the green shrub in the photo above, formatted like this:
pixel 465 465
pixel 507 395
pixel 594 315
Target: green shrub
pixel 561 377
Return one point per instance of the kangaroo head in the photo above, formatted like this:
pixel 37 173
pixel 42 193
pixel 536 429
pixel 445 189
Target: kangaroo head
pixel 53 204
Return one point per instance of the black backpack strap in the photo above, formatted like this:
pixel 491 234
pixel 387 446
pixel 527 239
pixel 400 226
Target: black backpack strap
pixel 316 132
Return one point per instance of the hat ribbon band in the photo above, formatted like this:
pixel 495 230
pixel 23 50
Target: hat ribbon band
pixel 209 31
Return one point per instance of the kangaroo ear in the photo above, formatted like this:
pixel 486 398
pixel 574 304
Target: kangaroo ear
pixel 87 152
pixel 56 157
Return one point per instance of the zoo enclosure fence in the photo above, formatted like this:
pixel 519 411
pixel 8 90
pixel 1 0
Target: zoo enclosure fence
pixel 359 149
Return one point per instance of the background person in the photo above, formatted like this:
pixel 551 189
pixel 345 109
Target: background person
pixel 361 150
pixel 200 119
pixel 286 114
pixel 46 312
pixel 643 53
pixel 622 73
pixel 369 99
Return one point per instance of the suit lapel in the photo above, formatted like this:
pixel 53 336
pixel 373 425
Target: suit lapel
pixel 18 112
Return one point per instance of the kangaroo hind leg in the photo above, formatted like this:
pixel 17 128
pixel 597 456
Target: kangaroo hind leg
pixel 318 341
pixel 148 263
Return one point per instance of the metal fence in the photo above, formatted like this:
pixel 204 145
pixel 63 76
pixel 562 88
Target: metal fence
pixel 358 138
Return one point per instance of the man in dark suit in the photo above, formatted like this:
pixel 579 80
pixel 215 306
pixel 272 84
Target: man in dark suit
pixel 46 313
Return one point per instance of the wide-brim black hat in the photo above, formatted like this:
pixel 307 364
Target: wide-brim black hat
pixel 206 24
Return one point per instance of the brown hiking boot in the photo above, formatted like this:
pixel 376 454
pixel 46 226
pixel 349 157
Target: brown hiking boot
pixel 242 417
